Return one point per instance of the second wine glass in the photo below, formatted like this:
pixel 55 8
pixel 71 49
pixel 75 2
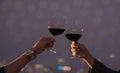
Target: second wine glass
pixel 74 30
pixel 56 26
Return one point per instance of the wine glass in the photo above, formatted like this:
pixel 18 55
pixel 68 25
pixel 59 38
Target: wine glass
pixel 73 31
pixel 56 26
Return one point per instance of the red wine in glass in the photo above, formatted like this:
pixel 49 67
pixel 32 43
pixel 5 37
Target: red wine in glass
pixel 56 31
pixel 56 26
pixel 73 36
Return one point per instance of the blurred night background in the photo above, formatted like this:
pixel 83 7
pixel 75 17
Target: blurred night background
pixel 22 22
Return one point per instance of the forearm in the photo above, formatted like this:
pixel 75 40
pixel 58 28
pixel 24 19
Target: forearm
pixel 89 60
pixel 16 65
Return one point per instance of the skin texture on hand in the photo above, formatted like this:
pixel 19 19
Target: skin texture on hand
pixel 79 50
pixel 42 44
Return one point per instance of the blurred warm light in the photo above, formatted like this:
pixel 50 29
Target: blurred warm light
pixel 112 55
pixel 60 60
pixel 46 69
pixel 67 68
pixel 38 66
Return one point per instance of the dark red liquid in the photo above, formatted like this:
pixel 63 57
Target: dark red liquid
pixel 73 37
pixel 56 31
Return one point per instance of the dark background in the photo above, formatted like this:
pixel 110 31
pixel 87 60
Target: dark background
pixel 22 22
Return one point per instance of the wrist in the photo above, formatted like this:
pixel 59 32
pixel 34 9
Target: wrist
pixel 37 50
pixel 89 60
pixel 31 55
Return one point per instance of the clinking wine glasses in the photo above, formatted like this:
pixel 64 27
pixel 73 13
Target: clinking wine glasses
pixel 56 26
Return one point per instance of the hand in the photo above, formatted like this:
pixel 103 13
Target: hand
pixel 78 50
pixel 42 44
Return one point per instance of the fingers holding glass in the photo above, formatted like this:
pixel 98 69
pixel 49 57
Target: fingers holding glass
pixel 75 50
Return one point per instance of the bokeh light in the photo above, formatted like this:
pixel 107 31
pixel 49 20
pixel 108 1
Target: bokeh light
pixel 22 22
